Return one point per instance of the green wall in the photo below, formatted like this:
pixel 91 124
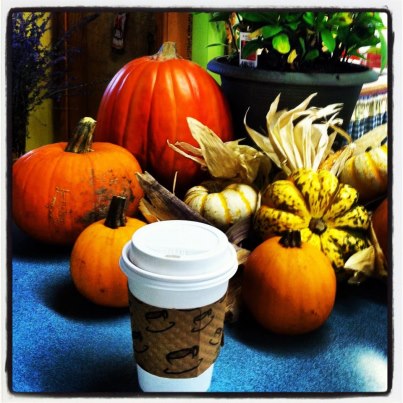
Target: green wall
pixel 205 33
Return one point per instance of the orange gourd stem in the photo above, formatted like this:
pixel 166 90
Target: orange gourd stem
pixel 81 141
pixel 116 214
pixel 166 52
pixel 291 239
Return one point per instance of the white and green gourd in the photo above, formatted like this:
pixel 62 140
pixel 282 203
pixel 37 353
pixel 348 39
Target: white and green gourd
pixel 222 203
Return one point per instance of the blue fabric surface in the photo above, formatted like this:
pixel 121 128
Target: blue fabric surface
pixel 63 344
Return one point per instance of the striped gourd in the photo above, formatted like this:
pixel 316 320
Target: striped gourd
pixel 368 173
pixel 222 203
pixel 323 209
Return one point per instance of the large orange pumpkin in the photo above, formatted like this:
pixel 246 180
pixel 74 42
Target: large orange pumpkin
pixel 59 189
pixel 289 286
pixel 147 102
pixel 94 260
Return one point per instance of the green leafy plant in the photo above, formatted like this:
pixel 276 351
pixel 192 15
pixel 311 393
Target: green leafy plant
pixel 306 41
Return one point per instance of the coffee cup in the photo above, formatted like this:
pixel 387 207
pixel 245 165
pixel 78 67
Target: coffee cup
pixel 178 273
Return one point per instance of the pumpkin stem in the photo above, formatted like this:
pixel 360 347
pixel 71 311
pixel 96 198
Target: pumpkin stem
pixel 81 141
pixel 317 226
pixel 166 52
pixel 291 239
pixel 116 214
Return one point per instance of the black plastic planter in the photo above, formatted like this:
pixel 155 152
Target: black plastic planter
pixel 256 89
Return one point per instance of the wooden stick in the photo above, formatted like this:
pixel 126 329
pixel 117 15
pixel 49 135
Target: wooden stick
pixel 164 203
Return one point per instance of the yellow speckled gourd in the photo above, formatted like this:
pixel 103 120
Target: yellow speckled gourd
pixel 222 203
pixel 323 209
pixel 368 172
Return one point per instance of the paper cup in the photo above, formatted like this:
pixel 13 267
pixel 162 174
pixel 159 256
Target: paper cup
pixel 178 273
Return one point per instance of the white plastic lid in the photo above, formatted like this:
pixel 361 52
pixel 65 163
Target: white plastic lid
pixel 179 248
pixel 178 264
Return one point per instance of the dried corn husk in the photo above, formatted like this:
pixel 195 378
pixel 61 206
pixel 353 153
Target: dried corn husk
pixel 369 262
pixel 366 263
pixel 298 138
pixel 374 138
pixel 381 264
pixel 223 160
pixel 238 233
pixel 233 299
pixel 362 264
pixel 335 161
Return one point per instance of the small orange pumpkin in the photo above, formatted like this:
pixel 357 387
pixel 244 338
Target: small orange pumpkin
pixel 380 226
pixel 94 261
pixel 289 286
pixel 61 188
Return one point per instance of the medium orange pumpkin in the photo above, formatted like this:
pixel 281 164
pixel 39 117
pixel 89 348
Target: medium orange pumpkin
pixel 146 104
pixel 59 189
pixel 94 260
pixel 380 226
pixel 289 286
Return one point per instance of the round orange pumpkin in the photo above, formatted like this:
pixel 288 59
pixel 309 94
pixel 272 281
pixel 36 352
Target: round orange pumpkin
pixel 146 104
pixel 380 226
pixel 289 286
pixel 94 260
pixel 59 189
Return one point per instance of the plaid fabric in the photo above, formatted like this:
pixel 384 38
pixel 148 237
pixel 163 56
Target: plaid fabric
pixel 371 111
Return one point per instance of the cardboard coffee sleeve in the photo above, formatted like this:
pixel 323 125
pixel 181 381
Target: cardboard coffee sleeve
pixel 176 343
